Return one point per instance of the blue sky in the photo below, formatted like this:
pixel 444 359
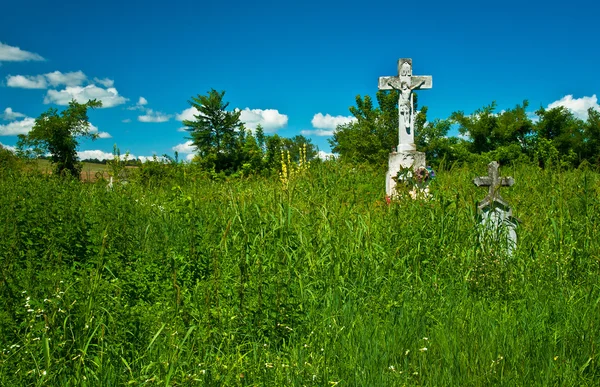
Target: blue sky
pixel 294 67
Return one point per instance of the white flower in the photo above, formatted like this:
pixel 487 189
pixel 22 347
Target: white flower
pixel 424 349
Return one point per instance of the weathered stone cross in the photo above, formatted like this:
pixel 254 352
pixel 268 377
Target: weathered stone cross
pixel 405 83
pixel 494 182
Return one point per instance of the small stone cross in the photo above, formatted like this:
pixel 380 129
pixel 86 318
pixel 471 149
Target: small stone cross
pixel 494 182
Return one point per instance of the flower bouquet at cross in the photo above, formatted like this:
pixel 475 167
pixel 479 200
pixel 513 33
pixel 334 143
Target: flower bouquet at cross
pixel 414 183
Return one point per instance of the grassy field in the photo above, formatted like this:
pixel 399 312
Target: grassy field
pixel 243 283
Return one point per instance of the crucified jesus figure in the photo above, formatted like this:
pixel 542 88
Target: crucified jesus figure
pixel 405 106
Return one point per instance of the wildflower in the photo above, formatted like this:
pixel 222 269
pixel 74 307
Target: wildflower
pixel 407 352
pixel 424 349
pixel 269 365
pixel 392 368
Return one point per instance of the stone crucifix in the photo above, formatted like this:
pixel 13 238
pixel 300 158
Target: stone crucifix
pixel 405 83
pixel 494 182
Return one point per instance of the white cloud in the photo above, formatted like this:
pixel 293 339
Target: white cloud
pixel 139 105
pixel 106 82
pixel 182 129
pixel 126 120
pixel 187 115
pixel 186 147
pixel 26 81
pixel 10 148
pixel 317 132
pixel 57 78
pixel 94 154
pixel 327 121
pixel 101 155
pixel 190 157
pixel 152 116
pixel 17 127
pixel 94 130
pixel 325 156
pixel 578 106
pixel 15 54
pixel 110 97
pixel 269 119
pixel 10 115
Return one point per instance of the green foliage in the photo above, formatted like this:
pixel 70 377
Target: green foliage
pixel 215 132
pixel 200 282
pixel 374 133
pixel 58 134
pixel 9 162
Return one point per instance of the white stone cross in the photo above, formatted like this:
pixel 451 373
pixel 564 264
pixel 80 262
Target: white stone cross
pixel 494 181
pixel 405 83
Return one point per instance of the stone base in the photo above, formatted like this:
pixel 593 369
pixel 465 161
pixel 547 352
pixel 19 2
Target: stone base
pixel 404 159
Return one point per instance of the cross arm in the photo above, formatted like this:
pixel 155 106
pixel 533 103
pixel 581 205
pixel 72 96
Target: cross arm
pixel 425 81
pixel 482 181
pixel 507 181
pixel 389 83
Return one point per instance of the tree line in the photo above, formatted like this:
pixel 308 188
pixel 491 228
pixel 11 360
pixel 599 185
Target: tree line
pixel 224 146
pixel 553 136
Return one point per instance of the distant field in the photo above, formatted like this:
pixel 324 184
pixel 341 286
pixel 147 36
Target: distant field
pixel 90 172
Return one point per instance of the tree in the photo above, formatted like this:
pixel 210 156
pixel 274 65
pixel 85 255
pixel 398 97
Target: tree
pixel 374 133
pixel 503 136
pixel 592 137
pixel 215 132
pixel 558 128
pixel 58 135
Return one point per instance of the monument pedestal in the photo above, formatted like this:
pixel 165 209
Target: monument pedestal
pixel 402 159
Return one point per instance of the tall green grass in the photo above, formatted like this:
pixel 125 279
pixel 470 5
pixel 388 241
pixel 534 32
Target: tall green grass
pixel 197 282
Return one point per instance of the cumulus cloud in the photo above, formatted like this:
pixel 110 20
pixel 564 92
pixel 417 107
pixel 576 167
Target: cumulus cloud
pixel 139 105
pixel 325 156
pixel 110 97
pixel 106 82
pixel 94 154
pixel 27 81
pixel 317 132
pixel 57 78
pixel 187 115
pixel 17 127
pixel 101 155
pixel 94 130
pixel 578 106
pixel 269 119
pixel 10 115
pixel 152 116
pixel 187 147
pixel 330 122
pixel 15 54
pixel 10 148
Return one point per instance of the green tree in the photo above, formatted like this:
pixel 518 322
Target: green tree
pixel 501 135
pixel 562 131
pixel 58 134
pixel 215 132
pixel 592 137
pixel 374 133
